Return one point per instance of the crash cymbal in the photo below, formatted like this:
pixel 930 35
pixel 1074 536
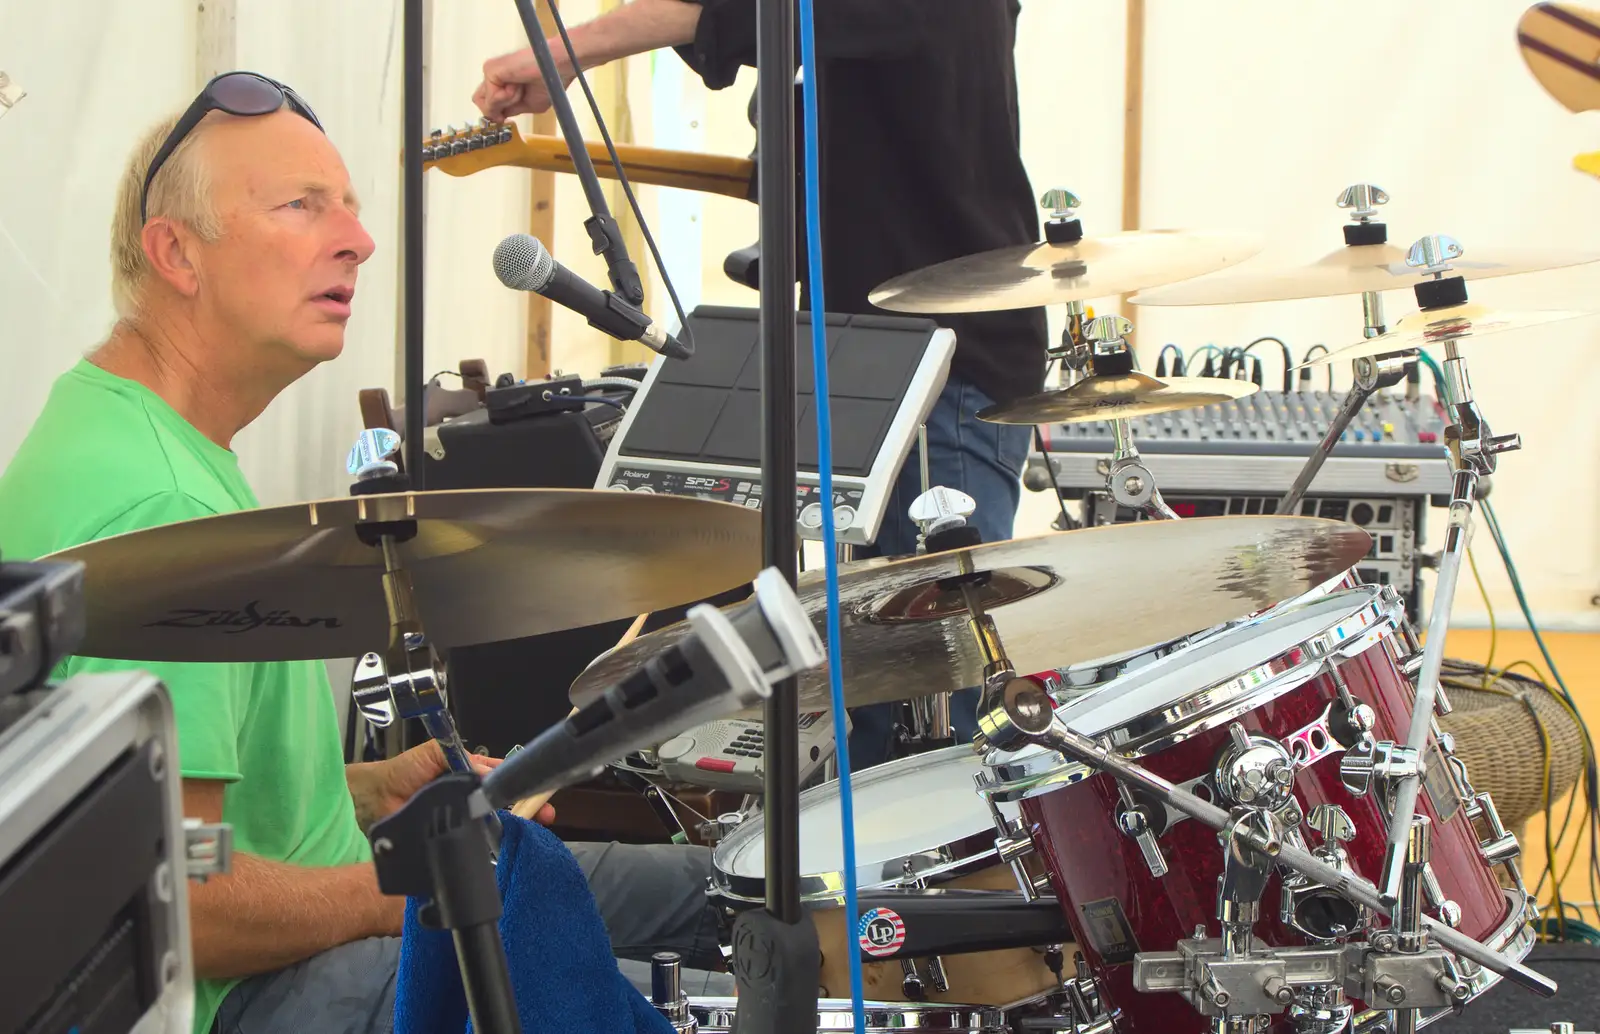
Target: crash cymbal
pixel 1056 599
pixel 1044 274
pixel 1349 270
pixel 296 582
pixel 1117 397
pixel 1436 326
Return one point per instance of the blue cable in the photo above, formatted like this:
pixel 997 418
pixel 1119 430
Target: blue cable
pixel 819 349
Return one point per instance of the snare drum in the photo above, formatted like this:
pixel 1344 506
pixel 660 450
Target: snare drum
pixel 716 1015
pixel 919 823
pixel 1291 678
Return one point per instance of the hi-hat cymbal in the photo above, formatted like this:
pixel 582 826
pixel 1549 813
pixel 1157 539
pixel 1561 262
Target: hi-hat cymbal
pixel 1043 274
pixel 1056 599
pixel 1117 397
pixel 1350 270
pixel 295 582
pixel 1436 326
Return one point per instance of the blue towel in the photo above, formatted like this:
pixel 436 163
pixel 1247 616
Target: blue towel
pixel 562 969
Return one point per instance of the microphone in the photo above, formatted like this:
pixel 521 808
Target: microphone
pixel 523 263
pixel 727 660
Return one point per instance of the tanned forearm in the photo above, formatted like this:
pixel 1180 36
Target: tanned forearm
pixel 266 915
pixel 634 28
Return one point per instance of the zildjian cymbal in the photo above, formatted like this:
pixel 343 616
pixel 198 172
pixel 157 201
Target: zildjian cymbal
pixel 298 582
pixel 1117 397
pixel 1056 599
pixel 1354 269
pixel 1043 274
pixel 1434 327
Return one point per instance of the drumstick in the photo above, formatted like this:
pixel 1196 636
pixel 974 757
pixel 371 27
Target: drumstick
pixel 529 808
pixel 633 631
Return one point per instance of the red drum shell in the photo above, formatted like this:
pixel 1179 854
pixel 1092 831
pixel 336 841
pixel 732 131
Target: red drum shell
pixel 1093 866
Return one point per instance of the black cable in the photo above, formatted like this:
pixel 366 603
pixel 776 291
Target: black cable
pixel 581 400
pixel 685 332
pixel 1310 354
pixel 444 373
pixel 1288 359
pixel 1177 363
pixel 1067 523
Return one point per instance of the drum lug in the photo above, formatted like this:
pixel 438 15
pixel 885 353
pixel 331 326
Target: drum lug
pixel 1376 761
pixel 1011 844
pixel 1138 820
pixel 911 983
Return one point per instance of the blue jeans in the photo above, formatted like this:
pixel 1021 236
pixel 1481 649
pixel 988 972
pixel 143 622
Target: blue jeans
pixel 983 460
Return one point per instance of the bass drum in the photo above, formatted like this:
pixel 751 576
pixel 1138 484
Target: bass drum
pixel 919 823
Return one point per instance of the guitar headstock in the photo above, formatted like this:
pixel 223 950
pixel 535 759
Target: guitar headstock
pixel 472 148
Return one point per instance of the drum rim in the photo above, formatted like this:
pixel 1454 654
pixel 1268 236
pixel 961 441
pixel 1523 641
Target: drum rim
pixel 1377 613
pixel 966 854
pixel 718 1013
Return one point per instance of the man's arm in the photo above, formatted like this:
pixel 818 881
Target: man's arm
pixel 717 37
pixel 267 915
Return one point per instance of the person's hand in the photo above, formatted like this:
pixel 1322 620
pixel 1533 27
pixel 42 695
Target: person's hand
pixel 379 788
pixel 512 84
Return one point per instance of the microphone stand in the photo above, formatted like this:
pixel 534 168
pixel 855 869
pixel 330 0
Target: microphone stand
pixel 603 230
pixel 775 953
pixel 415 388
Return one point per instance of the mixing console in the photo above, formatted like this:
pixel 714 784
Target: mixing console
pixel 1273 423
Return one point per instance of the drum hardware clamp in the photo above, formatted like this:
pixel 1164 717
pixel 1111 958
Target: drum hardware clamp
pixel 1032 717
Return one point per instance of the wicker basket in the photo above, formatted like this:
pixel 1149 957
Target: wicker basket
pixel 1499 742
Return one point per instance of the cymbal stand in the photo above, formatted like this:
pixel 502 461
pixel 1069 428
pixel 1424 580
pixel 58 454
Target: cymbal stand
pixel 1024 713
pixel 1128 480
pixel 407 680
pixel 1472 455
pixel 1370 375
pixel 941 515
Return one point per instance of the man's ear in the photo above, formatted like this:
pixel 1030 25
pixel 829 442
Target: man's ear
pixel 169 247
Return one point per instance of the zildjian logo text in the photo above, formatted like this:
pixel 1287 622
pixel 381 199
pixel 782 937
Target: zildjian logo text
pixel 246 619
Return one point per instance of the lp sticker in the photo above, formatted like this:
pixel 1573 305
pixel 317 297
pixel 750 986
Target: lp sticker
pixel 880 932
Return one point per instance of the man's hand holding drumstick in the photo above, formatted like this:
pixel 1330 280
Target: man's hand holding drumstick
pixel 538 808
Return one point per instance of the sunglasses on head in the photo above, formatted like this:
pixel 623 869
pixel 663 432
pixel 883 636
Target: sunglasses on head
pixel 236 93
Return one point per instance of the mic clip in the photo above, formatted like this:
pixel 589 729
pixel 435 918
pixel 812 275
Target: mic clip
pixel 606 236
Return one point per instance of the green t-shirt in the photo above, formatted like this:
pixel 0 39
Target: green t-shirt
pixel 107 455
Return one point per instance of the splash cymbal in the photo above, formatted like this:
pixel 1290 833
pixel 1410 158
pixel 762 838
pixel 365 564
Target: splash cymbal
pixel 1436 326
pixel 296 582
pixel 1043 274
pixel 1117 397
pixel 1056 599
pixel 1350 270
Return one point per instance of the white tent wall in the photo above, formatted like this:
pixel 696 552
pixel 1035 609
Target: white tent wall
pixel 1256 114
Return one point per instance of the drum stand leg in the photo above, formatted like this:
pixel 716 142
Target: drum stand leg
pixel 1473 450
pixel 1370 376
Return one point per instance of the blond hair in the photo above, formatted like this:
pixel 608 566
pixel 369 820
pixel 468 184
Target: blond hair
pixel 181 191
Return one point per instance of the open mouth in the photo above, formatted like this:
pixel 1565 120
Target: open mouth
pixel 339 295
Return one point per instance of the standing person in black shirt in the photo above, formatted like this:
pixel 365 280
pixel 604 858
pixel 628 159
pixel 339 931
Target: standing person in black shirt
pixel 920 162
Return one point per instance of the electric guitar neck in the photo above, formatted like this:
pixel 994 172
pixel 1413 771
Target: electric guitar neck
pixel 478 147
pixel 1561 45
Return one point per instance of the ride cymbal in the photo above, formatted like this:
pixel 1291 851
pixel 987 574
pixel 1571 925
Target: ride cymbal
pixel 1043 274
pixel 1056 599
pixel 296 582
pixel 1355 269
pixel 1117 397
pixel 1436 326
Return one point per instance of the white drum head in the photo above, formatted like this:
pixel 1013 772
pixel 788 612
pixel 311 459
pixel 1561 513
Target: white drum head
pixel 924 808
